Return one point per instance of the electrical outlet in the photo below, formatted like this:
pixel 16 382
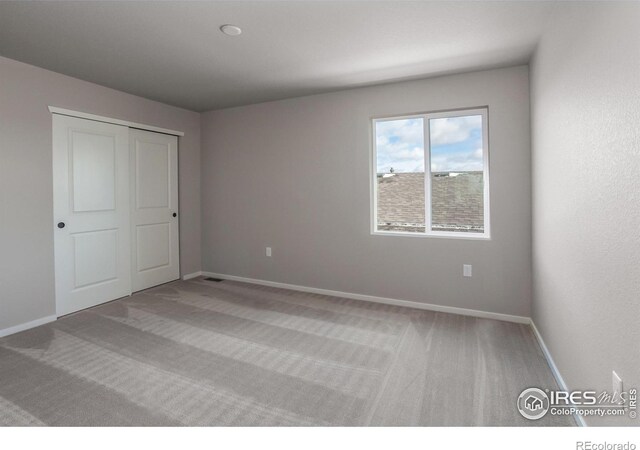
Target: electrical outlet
pixel 616 383
pixel 467 270
pixel 268 252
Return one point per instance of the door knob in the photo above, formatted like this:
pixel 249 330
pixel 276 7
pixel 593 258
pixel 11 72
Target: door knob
pixel 61 224
pixel 175 215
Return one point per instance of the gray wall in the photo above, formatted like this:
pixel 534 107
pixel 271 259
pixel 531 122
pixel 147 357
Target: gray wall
pixel 586 194
pixel 294 175
pixel 26 198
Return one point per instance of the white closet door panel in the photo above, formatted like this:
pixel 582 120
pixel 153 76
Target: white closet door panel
pixel 96 257
pixel 93 162
pixel 154 201
pixel 152 175
pixel 91 213
pixel 153 246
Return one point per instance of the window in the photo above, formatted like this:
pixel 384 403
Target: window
pixel 431 174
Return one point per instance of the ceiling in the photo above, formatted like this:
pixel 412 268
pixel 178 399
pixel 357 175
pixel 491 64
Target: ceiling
pixel 173 51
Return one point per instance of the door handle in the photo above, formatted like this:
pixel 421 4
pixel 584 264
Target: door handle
pixel 61 225
pixel 175 215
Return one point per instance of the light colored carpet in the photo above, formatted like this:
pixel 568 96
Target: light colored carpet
pixel 204 353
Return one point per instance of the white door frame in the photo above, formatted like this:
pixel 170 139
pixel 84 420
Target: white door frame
pixel 126 123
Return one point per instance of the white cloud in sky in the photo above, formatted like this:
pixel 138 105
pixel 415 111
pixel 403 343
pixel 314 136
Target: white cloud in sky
pixel 456 163
pixel 406 130
pixel 451 130
pixel 400 144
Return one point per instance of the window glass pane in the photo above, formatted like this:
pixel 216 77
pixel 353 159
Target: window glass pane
pixel 457 199
pixel 400 175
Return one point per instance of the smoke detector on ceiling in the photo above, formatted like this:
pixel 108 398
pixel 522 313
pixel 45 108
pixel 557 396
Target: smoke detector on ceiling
pixel 231 30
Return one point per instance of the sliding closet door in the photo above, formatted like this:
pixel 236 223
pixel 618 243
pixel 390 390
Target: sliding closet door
pixel 91 213
pixel 154 211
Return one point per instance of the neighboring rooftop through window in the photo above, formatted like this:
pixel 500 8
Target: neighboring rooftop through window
pixel 457 199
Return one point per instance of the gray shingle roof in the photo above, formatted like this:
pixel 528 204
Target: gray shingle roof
pixel 457 201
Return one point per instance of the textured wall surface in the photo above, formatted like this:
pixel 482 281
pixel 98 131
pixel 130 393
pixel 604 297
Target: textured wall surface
pixel 26 186
pixel 586 197
pixel 294 175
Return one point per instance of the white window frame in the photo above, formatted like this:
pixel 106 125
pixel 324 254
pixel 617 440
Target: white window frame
pixel 478 111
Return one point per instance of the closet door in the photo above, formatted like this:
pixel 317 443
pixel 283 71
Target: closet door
pixel 91 213
pixel 154 208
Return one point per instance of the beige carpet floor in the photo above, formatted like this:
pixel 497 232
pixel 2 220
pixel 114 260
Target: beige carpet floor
pixel 202 353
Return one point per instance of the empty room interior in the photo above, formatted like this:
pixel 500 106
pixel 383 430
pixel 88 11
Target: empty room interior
pixel 319 213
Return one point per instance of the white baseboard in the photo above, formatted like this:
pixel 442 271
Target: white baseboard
pixel 375 299
pixel 26 326
pixel 189 276
pixel 554 370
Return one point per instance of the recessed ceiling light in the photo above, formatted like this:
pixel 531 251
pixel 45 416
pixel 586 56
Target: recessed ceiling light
pixel 230 30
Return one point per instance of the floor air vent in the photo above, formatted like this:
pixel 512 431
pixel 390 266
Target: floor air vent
pixel 217 280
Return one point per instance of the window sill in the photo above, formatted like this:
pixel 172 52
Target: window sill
pixel 437 235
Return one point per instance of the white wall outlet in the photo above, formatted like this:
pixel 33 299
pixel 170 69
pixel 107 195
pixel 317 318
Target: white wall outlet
pixel 616 382
pixel 268 252
pixel 467 270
